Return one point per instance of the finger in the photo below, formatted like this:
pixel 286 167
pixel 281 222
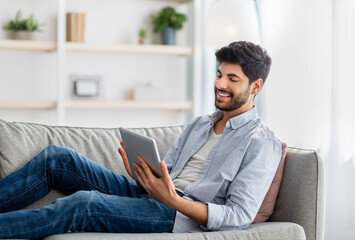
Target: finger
pixel 140 180
pixel 141 172
pixel 164 170
pixel 121 142
pixel 125 161
pixel 127 166
pixel 122 152
pixel 166 177
pixel 145 166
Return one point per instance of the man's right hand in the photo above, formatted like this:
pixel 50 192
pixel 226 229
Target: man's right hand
pixel 122 152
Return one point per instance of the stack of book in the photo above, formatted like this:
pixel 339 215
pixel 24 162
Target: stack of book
pixel 76 27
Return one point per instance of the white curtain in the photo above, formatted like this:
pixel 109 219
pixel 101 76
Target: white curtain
pixel 310 101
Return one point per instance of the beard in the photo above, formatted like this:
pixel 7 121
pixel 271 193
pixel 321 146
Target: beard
pixel 236 102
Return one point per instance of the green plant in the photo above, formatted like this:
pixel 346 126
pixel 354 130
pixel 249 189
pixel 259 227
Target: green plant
pixel 27 24
pixel 142 33
pixel 168 17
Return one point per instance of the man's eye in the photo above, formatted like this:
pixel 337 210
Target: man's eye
pixel 219 76
pixel 234 80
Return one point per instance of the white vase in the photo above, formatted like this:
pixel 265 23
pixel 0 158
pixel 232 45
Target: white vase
pixel 20 35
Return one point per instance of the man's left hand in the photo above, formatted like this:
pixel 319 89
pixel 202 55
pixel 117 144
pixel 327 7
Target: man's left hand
pixel 161 189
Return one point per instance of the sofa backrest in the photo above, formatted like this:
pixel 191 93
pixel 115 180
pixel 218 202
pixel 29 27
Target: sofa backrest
pixel 301 196
pixel 20 142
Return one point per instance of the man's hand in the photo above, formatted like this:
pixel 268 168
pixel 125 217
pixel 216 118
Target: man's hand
pixel 122 152
pixel 161 189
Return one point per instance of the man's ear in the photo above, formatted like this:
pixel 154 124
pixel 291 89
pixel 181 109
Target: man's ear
pixel 256 86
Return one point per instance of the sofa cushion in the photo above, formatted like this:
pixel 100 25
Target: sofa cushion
pixel 268 205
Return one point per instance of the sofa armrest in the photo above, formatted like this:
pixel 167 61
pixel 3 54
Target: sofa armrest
pixel 301 196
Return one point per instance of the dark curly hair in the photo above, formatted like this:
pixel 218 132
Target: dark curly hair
pixel 253 59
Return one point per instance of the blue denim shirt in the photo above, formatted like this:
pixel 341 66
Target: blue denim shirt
pixel 236 175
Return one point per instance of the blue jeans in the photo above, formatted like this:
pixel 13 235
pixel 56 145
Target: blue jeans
pixel 99 200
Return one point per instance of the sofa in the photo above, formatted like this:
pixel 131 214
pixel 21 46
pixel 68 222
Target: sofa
pixel 298 212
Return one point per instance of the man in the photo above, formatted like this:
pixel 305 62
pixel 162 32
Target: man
pixel 215 176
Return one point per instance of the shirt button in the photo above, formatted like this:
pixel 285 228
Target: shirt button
pixel 193 151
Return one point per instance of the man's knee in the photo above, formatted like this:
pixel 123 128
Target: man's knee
pixel 82 196
pixel 80 200
pixel 56 149
pixel 55 154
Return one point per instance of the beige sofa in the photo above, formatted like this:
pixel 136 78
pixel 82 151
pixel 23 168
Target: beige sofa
pixel 299 210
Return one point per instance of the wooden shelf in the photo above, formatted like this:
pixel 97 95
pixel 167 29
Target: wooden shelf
pixel 126 48
pixel 30 105
pixel 28 45
pixel 130 104
pixel 47 46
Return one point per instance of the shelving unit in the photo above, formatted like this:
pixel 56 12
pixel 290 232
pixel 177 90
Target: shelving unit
pixel 60 47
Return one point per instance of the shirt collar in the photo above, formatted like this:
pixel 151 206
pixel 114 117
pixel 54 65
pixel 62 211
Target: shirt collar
pixel 237 121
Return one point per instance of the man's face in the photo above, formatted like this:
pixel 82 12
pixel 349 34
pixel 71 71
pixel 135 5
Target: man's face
pixel 232 89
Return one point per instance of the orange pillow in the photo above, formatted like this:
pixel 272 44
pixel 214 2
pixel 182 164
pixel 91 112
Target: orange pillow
pixel 267 207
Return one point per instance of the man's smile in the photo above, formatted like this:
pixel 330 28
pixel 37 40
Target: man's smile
pixel 220 94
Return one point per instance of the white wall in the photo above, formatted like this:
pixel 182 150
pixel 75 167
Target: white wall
pixel 309 96
pixel 31 75
pixel 298 36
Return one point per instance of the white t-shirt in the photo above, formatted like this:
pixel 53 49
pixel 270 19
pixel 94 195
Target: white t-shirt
pixel 194 165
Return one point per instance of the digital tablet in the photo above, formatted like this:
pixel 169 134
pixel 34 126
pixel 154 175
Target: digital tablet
pixel 140 145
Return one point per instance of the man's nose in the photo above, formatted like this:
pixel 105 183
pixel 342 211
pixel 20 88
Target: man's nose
pixel 221 83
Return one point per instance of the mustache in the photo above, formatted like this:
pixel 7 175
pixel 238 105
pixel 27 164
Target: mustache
pixel 220 90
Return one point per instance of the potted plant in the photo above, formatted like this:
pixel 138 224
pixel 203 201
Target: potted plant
pixel 168 21
pixel 20 28
pixel 142 35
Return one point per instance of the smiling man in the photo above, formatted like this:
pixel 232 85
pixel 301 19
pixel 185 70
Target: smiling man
pixel 215 176
pixel 218 173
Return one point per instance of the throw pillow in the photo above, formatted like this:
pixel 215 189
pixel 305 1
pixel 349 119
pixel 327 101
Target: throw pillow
pixel 267 207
